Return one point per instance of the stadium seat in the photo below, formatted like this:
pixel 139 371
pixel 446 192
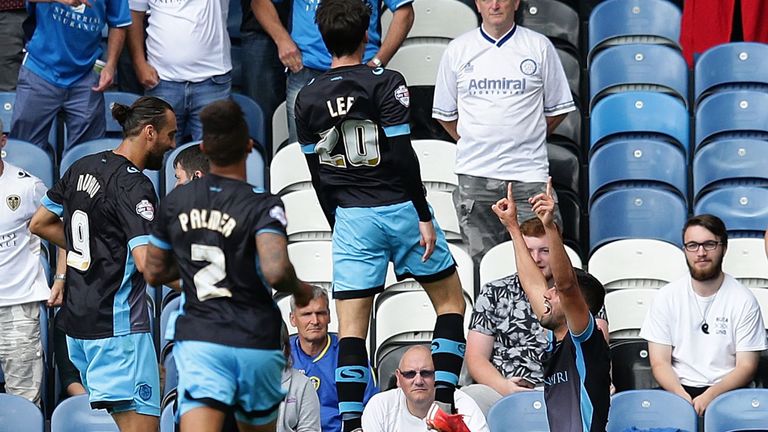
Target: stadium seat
pixel 738 410
pixel 554 19
pixel 418 62
pixel 445 213
pixel 571 209
pixel 572 69
pixel 423 126
pixel 19 415
pixel 733 113
pixel 647 114
pixel 626 311
pixel 730 161
pixel 525 410
pixel 431 17
pixel 284 304
pixel 236 53
pixel 388 362
pixel 168 315
pixel 568 133
pixel 288 171
pixel 739 65
pixel 114 130
pixel 171 380
pixel 437 160
pixel 636 212
pixel 75 415
pixel 234 19
pixel 745 260
pixel 624 162
pixel 254 167
pixel 306 220
pixel 637 263
pixel 638 67
pixel 565 168
pixel 313 261
pixel 499 262
pixel 279 128
pixel 254 116
pixel 167 419
pixel 761 294
pixel 7 101
pixel 648 409
pixel 631 366
pixel 30 158
pixel 616 22
pixel 743 209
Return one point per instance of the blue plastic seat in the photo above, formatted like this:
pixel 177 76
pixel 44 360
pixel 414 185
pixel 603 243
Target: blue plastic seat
pixel 96 146
pixel 7 100
pixel 636 212
pixel 742 410
pixel 641 115
pixel 114 130
pixel 171 374
pixel 634 67
pixel 738 65
pixel 729 161
pixel 525 410
pixel 647 409
pixel 638 160
pixel 169 313
pixel 75 415
pixel 743 209
pixel 234 19
pixel 733 113
pixel 19 415
pixel 237 66
pixel 31 158
pixel 167 419
pixel 616 22
pixel 254 116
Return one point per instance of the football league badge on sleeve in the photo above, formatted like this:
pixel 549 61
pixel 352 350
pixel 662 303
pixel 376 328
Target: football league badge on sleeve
pixel 403 96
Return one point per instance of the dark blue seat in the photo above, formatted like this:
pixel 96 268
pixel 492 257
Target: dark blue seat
pixel 636 212
pixel 20 415
pixel 647 409
pixel 637 160
pixel 639 115
pixel 114 130
pixel 730 161
pixel 525 410
pixel 171 374
pixel 254 116
pixel 7 100
pixel 634 67
pixel 170 312
pixel 738 65
pixel 616 22
pixel 742 410
pixel 732 113
pixel 31 158
pixel 743 209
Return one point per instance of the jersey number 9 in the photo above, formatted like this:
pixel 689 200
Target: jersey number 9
pixel 80 257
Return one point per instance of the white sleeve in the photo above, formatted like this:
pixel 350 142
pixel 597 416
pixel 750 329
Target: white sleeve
pixel 373 414
pixel 557 94
pixel 656 324
pixel 138 5
pixel 750 330
pixel 444 104
pixel 473 415
pixel 36 194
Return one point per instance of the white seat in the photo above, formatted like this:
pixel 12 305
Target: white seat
pixel 288 171
pixel 463 267
pixel 626 310
pixel 637 263
pixel 436 18
pixel 419 62
pixel 279 127
pixel 313 261
pixel 746 261
pixel 306 220
pixel 499 262
pixel 762 298
pixel 437 160
pixel 445 213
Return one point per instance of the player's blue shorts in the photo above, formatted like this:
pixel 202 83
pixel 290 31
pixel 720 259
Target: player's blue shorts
pixel 120 372
pixel 365 239
pixel 222 376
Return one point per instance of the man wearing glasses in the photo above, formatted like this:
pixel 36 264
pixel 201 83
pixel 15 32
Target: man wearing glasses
pixel 405 408
pixel 705 332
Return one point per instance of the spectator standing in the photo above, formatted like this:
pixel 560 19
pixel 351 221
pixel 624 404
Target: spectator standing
pixel 12 15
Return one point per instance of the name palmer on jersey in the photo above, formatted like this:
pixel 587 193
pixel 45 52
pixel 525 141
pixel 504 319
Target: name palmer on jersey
pixel 213 220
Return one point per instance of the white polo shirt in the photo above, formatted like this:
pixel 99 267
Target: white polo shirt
pixel 187 40
pixel 500 91
pixel 735 325
pixel 22 277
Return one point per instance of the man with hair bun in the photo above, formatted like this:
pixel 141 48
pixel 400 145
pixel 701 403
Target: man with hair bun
pixel 107 205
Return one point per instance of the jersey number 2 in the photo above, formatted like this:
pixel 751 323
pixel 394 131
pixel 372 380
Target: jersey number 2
pixel 361 142
pixel 80 257
pixel 207 277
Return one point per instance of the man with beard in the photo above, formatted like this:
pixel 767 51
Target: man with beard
pixel 107 205
pixel 705 332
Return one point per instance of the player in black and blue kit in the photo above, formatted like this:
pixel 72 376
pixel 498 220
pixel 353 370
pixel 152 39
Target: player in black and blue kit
pixel 577 365
pixel 107 205
pixel 227 241
pixel 353 127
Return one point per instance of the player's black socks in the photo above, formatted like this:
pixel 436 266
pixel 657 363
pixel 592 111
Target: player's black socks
pixel 352 376
pixel 448 346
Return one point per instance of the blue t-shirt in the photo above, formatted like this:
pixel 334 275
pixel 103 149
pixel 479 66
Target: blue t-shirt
pixel 306 35
pixel 66 42
pixel 321 371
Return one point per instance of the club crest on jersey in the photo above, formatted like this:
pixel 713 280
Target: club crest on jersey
pixel 468 68
pixel 315 382
pixel 528 67
pixel 278 214
pixel 403 96
pixel 13 201
pixel 146 210
pixel 145 391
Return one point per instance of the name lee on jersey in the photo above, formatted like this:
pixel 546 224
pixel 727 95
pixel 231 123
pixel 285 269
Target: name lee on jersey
pixel 342 105
pixel 213 220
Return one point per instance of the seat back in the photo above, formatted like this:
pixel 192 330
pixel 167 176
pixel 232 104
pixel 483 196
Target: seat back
pixel 288 171
pixel 554 19
pixel 732 113
pixel 113 128
pixel 431 16
pixel 646 409
pixel 306 220
pixel 631 366
pixel 7 101
pixel 729 161
pixel 525 410
pixel 30 158
pixel 20 415
pixel 626 311
pixel 731 66
pixel 75 415
pixel 741 409
pixel 637 263
pixel 437 160
pixel 279 128
pixel 418 62
pixel 743 209
pixel 746 261
pixel 254 117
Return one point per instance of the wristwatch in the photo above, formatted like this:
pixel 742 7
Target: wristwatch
pixel 377 62
pixel 61 277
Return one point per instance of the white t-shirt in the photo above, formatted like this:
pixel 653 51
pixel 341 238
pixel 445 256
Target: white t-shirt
pixel 500 92
pixel 22 278
pixel 735 324
pixel 388 412
pixel 187 40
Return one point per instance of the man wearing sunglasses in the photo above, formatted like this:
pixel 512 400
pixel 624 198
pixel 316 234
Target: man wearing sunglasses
pixel 704 331
pixel 406 407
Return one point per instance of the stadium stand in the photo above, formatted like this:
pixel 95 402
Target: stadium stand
pixel 437 160
pixel 626 311
pixel 288 171
pixel 637 263
pixel 311 225
pixel 742 409
pixel 746 261
pixel 20 415
pixel 525 410
pixel 739 65
pixel 732 113
pixel 744 209
pixel 727 162
pixel 648 409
